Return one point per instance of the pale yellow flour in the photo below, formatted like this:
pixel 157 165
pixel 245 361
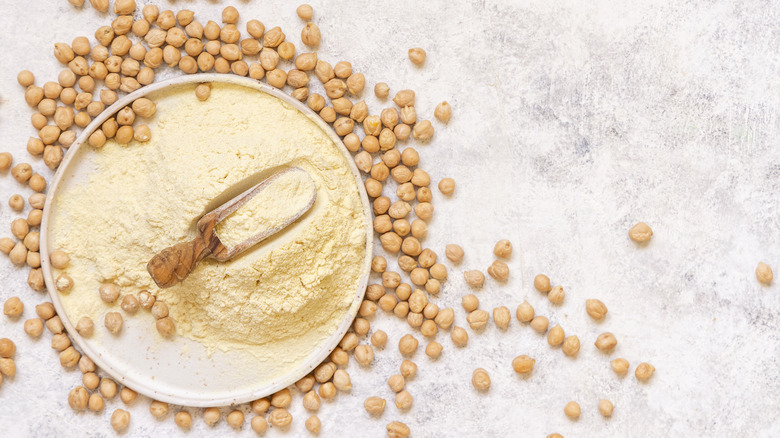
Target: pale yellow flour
pixel 288 293
pixel 282 198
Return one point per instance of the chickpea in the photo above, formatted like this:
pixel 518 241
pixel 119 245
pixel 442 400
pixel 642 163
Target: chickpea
pixel 438 271
pixel 78 398
pixel 764 273
pixel 502 317
pixel 311 401
pixel 310 35
pixel 402 131
pixel 420 178
pixel 109 292
pixel 324 372
pixel 16 202
pixel 120 419
pixel 605 407
pixel 364 355
pixel 556 336
pixel 18 254
pixel 595 308
pixel 59 259
pixel 374 405
pixel 556 295
pixel 540 324
pixel 113 322
pixel 60 342
pixel 349 342
pixel 428 328
pixel 572 410
pixel 69 357
pixel 146 299
pixel 644 371
pixel 96 403
pixel 281 417
pixel 33 327
pixel 339 356
pixel 127 395
pixel 396 429
pixel 391 242
pixel 433 349
pixel 419 276
pixel 35 217
pixel 401 309
pixel 414 319
pixel 25 78
pixel 356 83
pixel 571 346
pixel 260 406
pixel 235 419
pixel 158 409
pixel 474 278
pixel 477 319
pixel 13 307
pixel 379 339
pixel 403 291
pixel 403 400
pixel 619 366
pixel 387 302
pixel 45 311
pixel 313 425
pixel 90 380
pixel 443 112
pixel 407 345
pixel 54 325
pixel 159 309
pixel 454 253
pixel 281 399
pixel 129 304
pixel 640 233
pixel 165 326
pixel 259 424
pixel 376 291
pixel 606 342
pixel 183 419
pixel 480 379
pixel 22 172
pixel 499 270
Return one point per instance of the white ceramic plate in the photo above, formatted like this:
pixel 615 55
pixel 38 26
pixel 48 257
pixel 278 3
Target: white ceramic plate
pixel 180 371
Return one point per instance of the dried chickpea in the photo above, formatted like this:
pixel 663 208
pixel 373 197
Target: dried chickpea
pixel 556 295
pixel 96 403
pixel 443 112
pixel 640 233
pixel 211 416
pixel 404 98
pixel 379 339
pixel 499 270
pixel 33 327
pixel 477 319
pixel 619 366
pixel 502 317
pixel 158 409
pixel 374 405
pixel 414 319
pixel 433 349
pixel 274 37
pixel 428 328
pixel 402 131
pixel 396 429
pixel 54 324
pixel 183 419
pixel 60 342
pixel 401 309
pixel 387 302
pixel 764 273
pixel 69 357
pixel 407 345
pixel 78 398
pixel 606 407
pixel 113 322
pixel 313 425
pixel 571 345
pixel 120 419
pixel 364 355
pixel 18 255
pixel 474 278
pixel 59 259
pixel 454 253
pixel 403 400
pixel 13 307
pixel 90 380
pixel 287 51
pixel 16 202
pixel 19 228
pixel 555 336
pixel 281 418
pixel 260 406
pixel 311 401
pixel 595 308
pixel 424 210
pixel 127 395
pixel 572 410
pixel 540 324
pixel 417 56
pixel 606 342
pixel 259 424
pixel 644 371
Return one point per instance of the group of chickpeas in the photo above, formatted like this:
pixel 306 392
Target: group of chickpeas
pixel 124 65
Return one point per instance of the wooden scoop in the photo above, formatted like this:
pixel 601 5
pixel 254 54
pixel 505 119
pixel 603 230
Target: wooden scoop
pixel 173 264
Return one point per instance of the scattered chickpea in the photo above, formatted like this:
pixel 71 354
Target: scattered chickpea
pixel 477 319
pixel 572 410
pixel 90 380
pixel 158 409
pixel 54 325
pixel 379 339
pixel 96 403
pixel 310 35
pixel 606 342
pixel 443 112
pixel 113 322
pixel 474 278
pixel 480 379
pixel 556 295
pixel 235 419
pixel 454 253
pixel 469 302
pixel 396 382
pixel 764 273
pixel 16 202
pixel 7 348
pixel 502 317
pixel 555 336
pixel 183 419
pixel 499 270
pixel 396 429
pixel 120 419
pixel 364 355
pixel 13 307
pixel 7 367
pixel 280 417
pixel 459 336
pixel 33 327
pixel 619 366
pixel 571 345
pixel 417 56
pixel 20 228
pixel 78 398
pixel 606 407
pixel 374 405
pixel 447 186
pixel 25 78
pixel 640 233
pixel 407 345
pixel 127 395
pixel 45 311
pixel 69 357
pixel 259 424
pixel 59 259
pixel 311 401
pixel 109 292
pixel 644 371
pixel 85 327
pixel 540 324
pixel 542 283
pixel 433 349
pixel 595 308
pixel 523 364
pixel 260 406
pixel 403 400
pixel 313 424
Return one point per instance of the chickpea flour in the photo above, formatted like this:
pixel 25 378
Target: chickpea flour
pixel 278 300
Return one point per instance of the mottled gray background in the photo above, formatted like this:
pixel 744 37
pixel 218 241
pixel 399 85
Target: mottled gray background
pixel 572 121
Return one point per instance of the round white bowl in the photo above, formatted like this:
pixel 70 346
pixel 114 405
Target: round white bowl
pixel 161 374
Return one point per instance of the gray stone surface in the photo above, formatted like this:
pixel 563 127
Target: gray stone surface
pixel 572 121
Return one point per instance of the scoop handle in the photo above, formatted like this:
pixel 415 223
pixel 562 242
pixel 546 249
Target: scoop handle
pixel 173 264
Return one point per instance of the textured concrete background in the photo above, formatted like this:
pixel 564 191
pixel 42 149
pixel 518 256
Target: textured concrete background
pixel 572 121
